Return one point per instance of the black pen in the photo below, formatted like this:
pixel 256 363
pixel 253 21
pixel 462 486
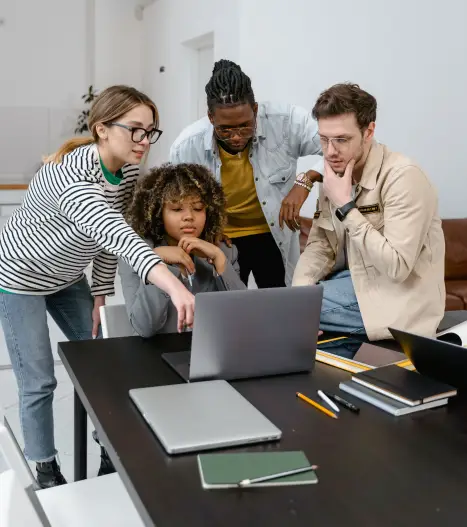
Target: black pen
pixel 343 403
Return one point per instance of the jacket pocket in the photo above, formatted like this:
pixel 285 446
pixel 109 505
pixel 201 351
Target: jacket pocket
pixel 281 176
pixel 324 222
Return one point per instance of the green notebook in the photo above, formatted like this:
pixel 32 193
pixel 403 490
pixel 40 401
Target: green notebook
pixel 225 471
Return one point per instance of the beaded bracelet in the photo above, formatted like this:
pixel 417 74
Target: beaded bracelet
pixel 303 180
pixel 304 185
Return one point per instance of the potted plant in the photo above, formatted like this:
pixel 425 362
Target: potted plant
pixel 82 122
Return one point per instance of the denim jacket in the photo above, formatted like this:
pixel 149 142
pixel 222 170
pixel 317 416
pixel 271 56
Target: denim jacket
pixel 283 134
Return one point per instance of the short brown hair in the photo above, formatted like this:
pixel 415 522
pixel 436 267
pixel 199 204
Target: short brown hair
pixel 172 183
pixel 346 98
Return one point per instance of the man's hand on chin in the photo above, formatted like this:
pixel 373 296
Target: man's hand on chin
pixel 338 189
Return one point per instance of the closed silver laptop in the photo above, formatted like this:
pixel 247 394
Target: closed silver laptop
pixel 201 416
pixel 251 333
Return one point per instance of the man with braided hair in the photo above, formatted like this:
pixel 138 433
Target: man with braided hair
pixel 252 149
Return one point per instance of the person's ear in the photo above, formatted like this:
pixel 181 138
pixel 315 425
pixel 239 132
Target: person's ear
pixel 255 109
pixel 211 118
pixel 101 131
pixel 370 132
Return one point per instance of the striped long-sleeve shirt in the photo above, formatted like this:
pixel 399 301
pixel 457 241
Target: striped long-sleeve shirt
pixel 72 215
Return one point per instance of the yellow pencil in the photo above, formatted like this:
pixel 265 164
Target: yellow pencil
pixel 316 405
pixel 331 340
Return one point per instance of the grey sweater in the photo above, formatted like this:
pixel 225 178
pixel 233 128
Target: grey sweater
pixel 150 309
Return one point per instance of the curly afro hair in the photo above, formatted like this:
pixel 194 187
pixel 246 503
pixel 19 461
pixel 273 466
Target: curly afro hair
pixel 172 183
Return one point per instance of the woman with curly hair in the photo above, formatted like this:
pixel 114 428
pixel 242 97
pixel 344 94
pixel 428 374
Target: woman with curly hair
pixel 180 211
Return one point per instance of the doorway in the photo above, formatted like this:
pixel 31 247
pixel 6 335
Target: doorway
pixel 205 62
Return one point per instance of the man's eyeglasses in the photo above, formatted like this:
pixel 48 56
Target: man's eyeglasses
pixel 140 134
pixel 245 132
pixel 339 143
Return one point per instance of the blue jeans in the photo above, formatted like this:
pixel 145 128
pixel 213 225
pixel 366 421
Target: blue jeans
pixel 24 322
pixel 340 313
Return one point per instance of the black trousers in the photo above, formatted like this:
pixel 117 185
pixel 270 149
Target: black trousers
pixel 259 254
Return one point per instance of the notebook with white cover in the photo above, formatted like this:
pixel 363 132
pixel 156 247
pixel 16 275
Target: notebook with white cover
pixel 455 335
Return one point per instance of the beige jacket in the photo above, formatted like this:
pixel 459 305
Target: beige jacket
pixel 395 247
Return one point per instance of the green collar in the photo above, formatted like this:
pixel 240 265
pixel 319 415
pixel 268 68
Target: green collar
pixel 113 179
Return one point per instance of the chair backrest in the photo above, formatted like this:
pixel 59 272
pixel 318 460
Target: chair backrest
pixel 456 249
pixel 16 508
pixel 14 456
pixel 19 504
pixel 114 322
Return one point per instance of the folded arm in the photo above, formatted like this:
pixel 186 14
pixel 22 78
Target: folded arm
pixel 230 278
pixel 146 304
pixel 316 261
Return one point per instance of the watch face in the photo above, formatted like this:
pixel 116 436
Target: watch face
pixel 339 215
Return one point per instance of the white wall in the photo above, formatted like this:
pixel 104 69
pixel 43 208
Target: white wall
pixel 50 51
pixel 40 52
pixel 118 44
pixel 410 55
pixel 42 75
pixel 172 31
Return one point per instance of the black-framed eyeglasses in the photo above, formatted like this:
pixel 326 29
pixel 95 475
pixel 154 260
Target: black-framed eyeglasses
pixel 140 134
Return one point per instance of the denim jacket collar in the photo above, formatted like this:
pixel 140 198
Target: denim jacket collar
pixel 209 138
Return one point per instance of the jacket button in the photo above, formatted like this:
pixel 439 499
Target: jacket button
pixel 256 178
pixel 283 179
pixel 272 224
pixel 280 244
pixel 264 203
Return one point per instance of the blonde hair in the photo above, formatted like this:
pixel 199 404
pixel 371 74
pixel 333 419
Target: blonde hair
pixel 109 106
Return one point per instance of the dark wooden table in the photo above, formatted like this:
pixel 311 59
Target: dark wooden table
pixel 375 469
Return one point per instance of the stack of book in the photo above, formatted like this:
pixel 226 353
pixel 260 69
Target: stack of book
pixel 398 391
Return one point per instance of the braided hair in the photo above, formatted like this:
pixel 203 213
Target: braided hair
pixel 228 86
pixel 172 183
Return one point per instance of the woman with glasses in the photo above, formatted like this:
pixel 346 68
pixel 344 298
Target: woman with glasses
pixel 253 150
pixel 72 215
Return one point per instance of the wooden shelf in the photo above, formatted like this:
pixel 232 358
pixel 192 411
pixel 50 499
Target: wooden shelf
pixel 15 186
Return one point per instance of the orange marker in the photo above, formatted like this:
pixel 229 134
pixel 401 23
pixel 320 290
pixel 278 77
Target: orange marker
pixel 316 405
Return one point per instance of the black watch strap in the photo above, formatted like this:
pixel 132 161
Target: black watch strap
pixel 342 212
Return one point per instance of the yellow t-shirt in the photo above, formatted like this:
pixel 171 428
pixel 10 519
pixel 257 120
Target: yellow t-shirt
pixel 244 214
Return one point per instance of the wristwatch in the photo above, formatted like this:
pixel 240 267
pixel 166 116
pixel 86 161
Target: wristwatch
pixel 345 209
pixel 303 181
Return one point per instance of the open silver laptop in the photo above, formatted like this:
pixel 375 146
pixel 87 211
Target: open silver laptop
pixel 251 333
pixel 202 416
